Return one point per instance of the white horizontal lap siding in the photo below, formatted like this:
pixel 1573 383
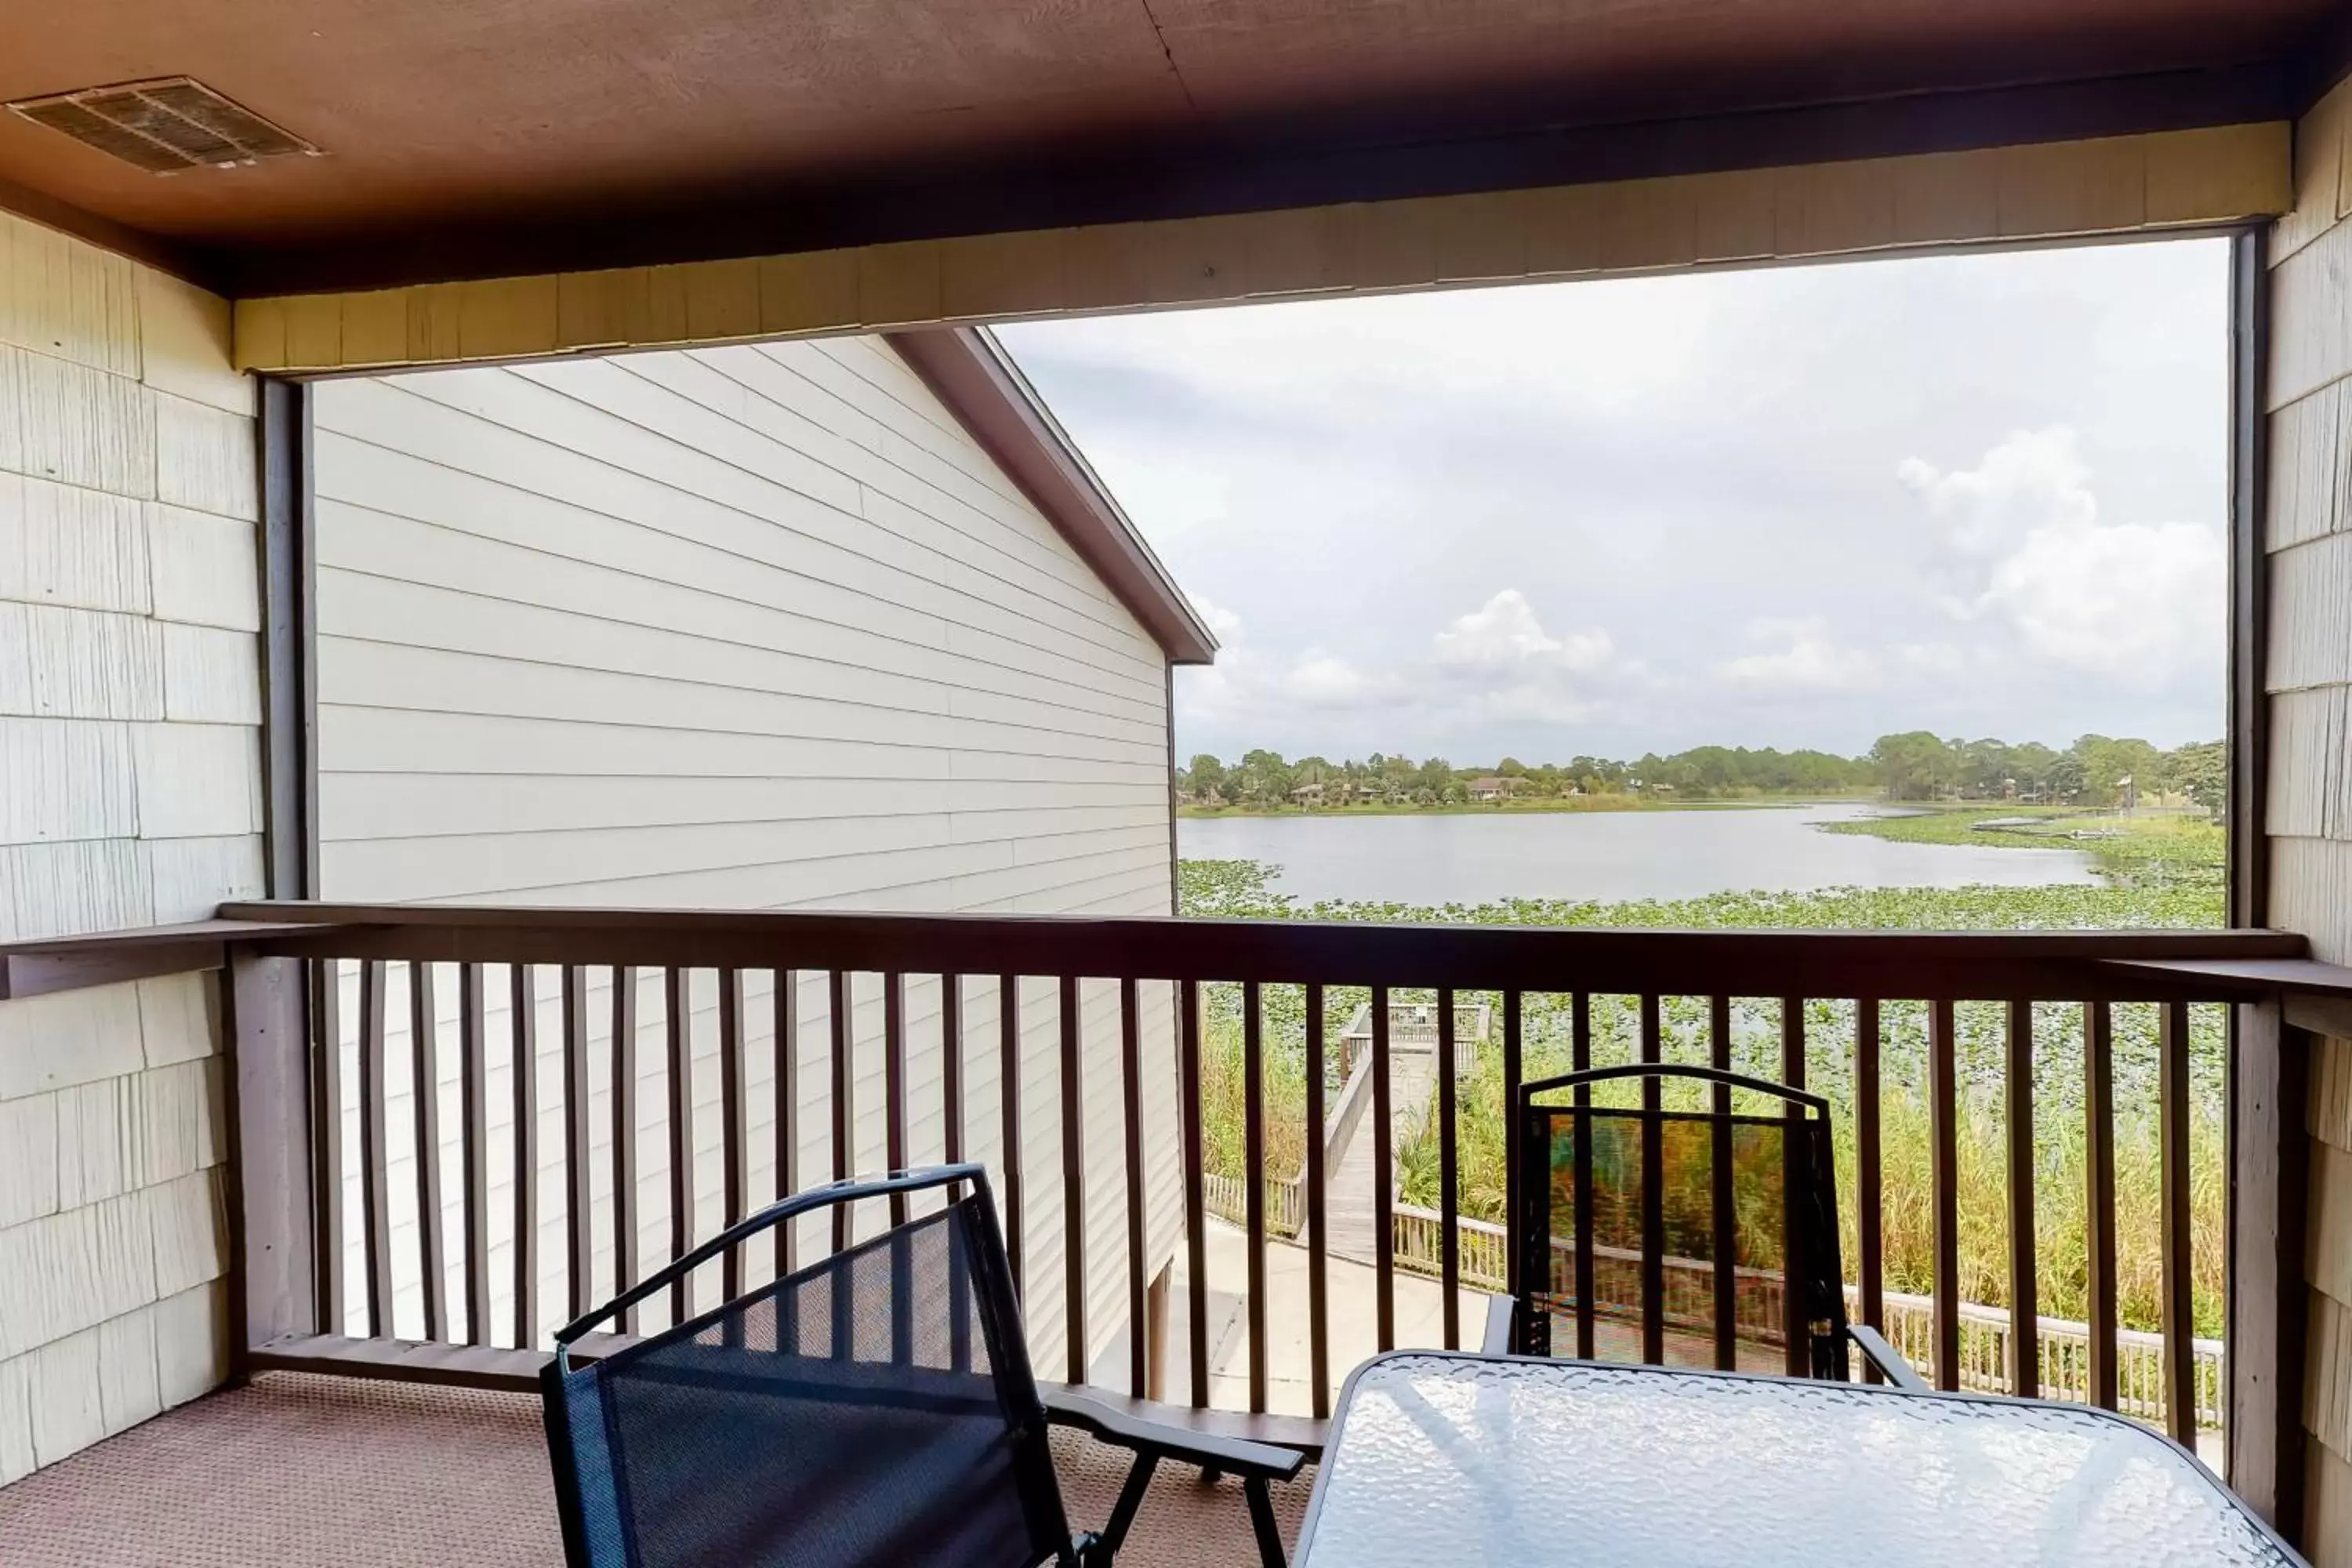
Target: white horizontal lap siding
pixel 755 628
pixel 1042 1227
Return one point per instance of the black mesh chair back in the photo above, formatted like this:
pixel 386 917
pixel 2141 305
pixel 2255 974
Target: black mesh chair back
pixel 1657 1224
pixel 875 1408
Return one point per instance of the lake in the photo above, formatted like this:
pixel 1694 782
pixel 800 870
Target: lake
pixel 1438 858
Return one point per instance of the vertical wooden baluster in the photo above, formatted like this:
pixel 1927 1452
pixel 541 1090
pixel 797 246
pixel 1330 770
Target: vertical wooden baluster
pixel 579 1194
pixel 1319 1242
pixel 1008 1025
pixel 1654 1195
pixel 1449 1177
pixel 1196 1259
pixel 474 1070
pixel 951 1068
pixel 2178 1314
pixel 1726 1243
pixel 952 1092
pixel 1944 1169
pixel 1254 1184
pixel 1514 1074
pixel 678 1022
pixel 1580 1061
pixel 1796 1323
pixel 893 1084
pixel 327 1137
pixel 625 1139
pixel 424 1068
pixel 734 1126
pixel 2099 1195
pixel 1384 1177
pixel 787 1047
pixel 1869 1173
pixel 2024 1307
pixel 522 1031
pixel 844 1108
pixel 1073 1180
pixel 375 1179
pixel 1130 1066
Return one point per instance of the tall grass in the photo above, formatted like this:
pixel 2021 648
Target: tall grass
pixel 1224 1088
pixel 2061 1244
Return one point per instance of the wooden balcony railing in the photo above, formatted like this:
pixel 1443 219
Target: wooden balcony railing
pixel 418 996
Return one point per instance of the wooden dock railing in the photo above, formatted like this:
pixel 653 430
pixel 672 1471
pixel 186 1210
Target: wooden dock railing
pixel 1908 1321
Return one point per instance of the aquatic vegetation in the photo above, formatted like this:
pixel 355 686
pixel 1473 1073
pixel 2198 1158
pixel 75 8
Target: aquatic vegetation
pixel 2157 898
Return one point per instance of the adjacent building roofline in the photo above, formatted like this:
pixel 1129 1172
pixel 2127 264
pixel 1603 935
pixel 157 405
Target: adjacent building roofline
pixel 966 369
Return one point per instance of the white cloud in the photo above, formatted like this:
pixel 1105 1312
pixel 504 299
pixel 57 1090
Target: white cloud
pixel 1495 663
pixel 1324 680
pixel 1942 660
pixel 1806 658
pixel 1500 664
pixel 1502 635
pixel 1243 685
pixel 2034 480
pixel 1225 624
pixel 2136 605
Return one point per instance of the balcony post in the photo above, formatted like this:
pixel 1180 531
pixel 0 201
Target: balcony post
pixel 2268 1164
pixel 264 1026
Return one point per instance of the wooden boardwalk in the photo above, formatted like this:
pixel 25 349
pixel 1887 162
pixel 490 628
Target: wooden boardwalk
pixel 1347 1201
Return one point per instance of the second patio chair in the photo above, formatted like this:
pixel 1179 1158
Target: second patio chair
pixel 1674 1229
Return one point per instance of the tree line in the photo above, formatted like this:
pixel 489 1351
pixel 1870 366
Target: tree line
pixel 1918 765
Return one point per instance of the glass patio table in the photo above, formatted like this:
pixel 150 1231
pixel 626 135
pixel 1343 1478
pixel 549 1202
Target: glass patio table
pixel 1437 1460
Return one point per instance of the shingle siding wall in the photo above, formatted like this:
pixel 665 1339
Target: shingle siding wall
pixel 2309 400
pixel 129 794
pixel 753 627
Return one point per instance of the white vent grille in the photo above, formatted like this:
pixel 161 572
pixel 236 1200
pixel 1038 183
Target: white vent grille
pixel 163 126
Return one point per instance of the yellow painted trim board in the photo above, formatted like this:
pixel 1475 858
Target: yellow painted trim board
pixel 2109 187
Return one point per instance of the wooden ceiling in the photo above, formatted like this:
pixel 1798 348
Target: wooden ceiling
pixel 468 137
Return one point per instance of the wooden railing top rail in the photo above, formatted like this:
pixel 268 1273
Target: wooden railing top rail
pixel 301 1041
pixel 1990 965
pixel 108 958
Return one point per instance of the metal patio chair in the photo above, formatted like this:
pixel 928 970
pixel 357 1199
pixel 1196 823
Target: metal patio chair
pixel 1713 1235
pixel 874 1409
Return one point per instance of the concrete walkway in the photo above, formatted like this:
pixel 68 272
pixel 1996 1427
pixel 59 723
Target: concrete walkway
pixel 1351 1293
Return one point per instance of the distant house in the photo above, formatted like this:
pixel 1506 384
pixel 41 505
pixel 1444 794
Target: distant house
pixel 1490 789
pixel 1307 795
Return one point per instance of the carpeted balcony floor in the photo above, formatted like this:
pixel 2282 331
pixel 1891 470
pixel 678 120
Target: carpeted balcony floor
pixel 317 1470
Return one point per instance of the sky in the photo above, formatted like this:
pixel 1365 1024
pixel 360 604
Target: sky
pixel 1802 506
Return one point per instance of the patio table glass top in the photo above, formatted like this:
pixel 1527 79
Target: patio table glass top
pixel 1441 1459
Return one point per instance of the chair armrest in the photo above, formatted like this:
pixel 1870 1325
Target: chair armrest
pixel 1234 1456
pixel 1499 1312
pixel 1886 1358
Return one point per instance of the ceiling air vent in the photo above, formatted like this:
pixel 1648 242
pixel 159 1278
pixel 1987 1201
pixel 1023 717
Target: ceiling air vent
pixel 163 126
